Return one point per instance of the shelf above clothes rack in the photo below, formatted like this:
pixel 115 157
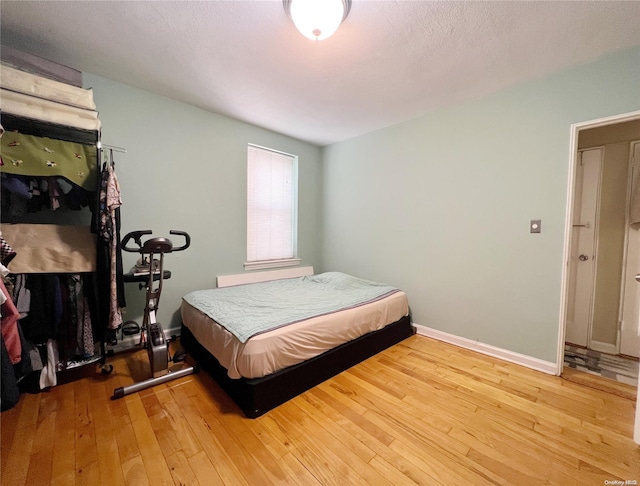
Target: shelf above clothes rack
pixel 42 128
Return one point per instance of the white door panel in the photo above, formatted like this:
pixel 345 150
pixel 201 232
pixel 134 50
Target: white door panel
pixel 630 331
pixel 583 247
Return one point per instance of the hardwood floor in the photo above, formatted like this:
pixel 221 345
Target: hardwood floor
pixel 421 412
pixel 608 386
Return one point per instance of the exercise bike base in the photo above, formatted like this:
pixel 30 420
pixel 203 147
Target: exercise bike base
pixel 143 385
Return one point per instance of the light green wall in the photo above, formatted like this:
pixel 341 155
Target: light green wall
pixel 440 205
pixel 185 169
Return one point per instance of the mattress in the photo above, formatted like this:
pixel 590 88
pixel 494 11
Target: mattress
pixel 271 351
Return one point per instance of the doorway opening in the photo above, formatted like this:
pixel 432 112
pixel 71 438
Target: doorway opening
pixel 600 331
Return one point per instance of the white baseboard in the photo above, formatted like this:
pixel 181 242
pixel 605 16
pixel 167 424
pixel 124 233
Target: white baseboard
pixel 504 354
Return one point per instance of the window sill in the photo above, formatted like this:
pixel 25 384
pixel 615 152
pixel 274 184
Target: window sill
pixel 289 262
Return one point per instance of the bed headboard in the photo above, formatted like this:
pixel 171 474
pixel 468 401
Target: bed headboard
pixel 253 277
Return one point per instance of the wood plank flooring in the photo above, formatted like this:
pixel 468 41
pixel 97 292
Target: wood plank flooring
pixel 421 412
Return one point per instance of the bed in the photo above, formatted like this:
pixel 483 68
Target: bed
pixel 264 351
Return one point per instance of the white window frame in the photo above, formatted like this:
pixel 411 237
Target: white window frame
pixel 280 262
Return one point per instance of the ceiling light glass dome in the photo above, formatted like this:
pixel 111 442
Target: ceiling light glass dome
pixel 317 19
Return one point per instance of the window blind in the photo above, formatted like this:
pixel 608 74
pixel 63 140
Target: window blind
pixel 271 205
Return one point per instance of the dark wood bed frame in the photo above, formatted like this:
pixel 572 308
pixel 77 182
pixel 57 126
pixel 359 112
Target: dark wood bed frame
pixel 259 395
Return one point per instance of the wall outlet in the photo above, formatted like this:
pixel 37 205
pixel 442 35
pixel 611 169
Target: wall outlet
pixel 535 226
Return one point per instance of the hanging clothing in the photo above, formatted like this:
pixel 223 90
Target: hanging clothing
pixel 22 295
pixel 10 316
pixel 80 316
pixel 6 252
pixel 110 202
pixel 48 376
pixel 43 320
pixel 10 393
pixel 30 194
pixel 54 192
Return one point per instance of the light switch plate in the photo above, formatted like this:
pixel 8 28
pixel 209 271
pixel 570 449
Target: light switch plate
pixel 535 226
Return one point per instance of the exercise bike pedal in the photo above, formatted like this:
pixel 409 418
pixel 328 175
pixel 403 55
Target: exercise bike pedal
pixel 157 336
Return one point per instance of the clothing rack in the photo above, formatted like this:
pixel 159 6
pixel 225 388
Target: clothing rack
pixel 113 148
pixel 62 113
pixel 65 133
pixel 105 154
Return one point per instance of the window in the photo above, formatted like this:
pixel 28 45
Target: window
pixel 272 200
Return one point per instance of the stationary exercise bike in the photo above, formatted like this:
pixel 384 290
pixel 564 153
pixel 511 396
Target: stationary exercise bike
pixel 151 333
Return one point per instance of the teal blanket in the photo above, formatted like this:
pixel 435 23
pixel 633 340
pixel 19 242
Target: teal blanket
pixel 247 310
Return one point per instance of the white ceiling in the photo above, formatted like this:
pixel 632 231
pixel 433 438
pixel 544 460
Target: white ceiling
pixel 390 60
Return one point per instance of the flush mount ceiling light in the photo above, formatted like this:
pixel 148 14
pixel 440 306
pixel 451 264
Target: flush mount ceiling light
pixel 317 19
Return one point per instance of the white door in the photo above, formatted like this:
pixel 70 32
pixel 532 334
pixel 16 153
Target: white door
pixel 630 328
pixel 583 247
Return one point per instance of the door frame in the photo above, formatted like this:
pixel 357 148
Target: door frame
pixel 573 160
pixel 573 156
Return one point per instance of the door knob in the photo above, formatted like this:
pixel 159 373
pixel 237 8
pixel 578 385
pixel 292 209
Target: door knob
pixel 583 258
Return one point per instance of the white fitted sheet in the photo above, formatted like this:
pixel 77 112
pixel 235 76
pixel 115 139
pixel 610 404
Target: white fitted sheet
pixel 272 351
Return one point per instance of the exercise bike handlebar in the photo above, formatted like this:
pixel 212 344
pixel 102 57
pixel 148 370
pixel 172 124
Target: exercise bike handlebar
pixel 165 245
pixel 187 239
pixel 136 235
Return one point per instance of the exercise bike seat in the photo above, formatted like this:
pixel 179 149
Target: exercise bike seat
pixel 157 245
